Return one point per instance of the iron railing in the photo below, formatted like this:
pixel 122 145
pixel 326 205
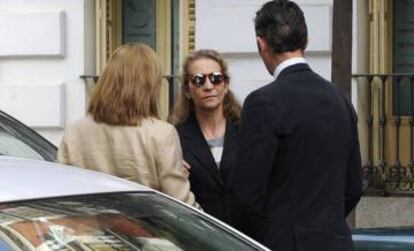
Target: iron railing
pixel 389 165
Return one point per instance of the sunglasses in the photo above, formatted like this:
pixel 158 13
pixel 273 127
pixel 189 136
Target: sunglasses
pixel 215 78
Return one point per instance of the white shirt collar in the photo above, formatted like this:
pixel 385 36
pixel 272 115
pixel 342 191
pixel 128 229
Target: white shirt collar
pixel 287 63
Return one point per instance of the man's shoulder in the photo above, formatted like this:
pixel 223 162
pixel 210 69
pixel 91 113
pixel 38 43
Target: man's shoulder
pixel 261 90
pixel 265 93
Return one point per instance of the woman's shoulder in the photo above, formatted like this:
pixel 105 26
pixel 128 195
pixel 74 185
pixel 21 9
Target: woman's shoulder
pixel 81 122
pixel 158 131
pixel 157 125
pixel 233 122
pixel 190 121
pixel 78 127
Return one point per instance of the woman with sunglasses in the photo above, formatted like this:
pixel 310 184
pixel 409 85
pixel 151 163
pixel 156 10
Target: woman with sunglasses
pixel 206 115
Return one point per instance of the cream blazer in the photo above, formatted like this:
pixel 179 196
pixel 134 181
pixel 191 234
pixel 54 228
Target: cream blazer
pixel 149 154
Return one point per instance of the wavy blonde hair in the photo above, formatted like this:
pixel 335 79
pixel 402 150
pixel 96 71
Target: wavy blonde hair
pixel 185 106
pixel 129 87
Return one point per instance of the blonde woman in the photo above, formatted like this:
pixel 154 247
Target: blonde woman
pixel 206 116
pixel 122 134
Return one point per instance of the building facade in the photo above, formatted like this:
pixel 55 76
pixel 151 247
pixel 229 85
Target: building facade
pixel 383 73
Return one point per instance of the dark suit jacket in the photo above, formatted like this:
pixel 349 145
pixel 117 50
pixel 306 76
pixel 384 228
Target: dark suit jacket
pixel 298 166
pixel 208 183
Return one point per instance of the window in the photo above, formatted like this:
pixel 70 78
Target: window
pixel 128 221
pixel 165 25
pixel 403 51
pixel 12 146
pixel 17 140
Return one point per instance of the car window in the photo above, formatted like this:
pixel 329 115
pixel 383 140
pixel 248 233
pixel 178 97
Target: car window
pixel 12 146
pixel 21 141
pixel 128 221
pixel 383 241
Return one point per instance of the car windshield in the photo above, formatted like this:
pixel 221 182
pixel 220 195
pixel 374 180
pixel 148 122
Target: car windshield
pixel 122 221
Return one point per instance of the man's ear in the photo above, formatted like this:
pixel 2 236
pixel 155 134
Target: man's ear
pixel 262 44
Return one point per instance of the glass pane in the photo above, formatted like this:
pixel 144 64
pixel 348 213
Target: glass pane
pixel 403 88
pixel 134 221
pixel 12 146
pixel 403 54
pixel 139 22
pixel 20 141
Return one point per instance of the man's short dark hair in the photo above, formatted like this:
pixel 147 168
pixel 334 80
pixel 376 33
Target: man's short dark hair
pixel 282 24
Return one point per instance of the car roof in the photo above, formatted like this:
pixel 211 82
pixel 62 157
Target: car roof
pixel 24 179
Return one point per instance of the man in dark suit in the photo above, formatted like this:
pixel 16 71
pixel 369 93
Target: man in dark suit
pixel 298 173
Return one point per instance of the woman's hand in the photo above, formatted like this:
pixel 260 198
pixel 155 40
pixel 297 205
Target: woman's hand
pixel 187 168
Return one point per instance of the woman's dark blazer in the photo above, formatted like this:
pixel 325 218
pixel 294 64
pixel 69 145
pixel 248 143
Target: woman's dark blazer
pixel 208 183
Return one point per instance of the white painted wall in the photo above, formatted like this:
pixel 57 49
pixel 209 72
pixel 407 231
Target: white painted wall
pixel 227 26
pixel 45 46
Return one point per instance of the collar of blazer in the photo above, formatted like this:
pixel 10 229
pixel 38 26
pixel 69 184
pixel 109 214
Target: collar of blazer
pixel 294 68
pixel 191 133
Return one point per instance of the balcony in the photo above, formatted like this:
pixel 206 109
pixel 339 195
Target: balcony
pixel 387 132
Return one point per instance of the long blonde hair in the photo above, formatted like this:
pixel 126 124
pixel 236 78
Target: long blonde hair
pixel 129 87
pixel 185 106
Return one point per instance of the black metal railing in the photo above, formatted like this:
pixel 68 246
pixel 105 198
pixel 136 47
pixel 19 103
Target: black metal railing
pixel 389 166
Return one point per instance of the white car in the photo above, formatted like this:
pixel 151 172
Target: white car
pixel 48 206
